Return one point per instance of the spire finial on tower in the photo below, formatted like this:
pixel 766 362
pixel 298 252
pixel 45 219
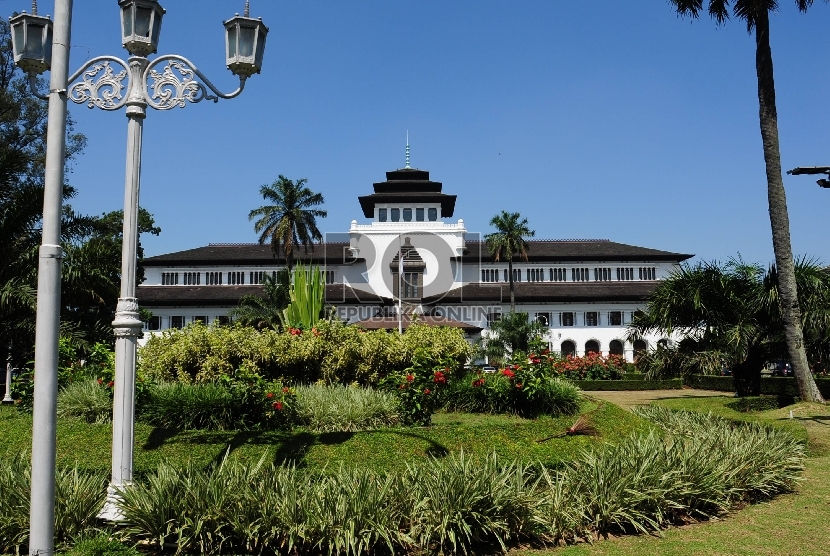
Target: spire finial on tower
pixel 34 7
pixel 407 150
pixel 247 8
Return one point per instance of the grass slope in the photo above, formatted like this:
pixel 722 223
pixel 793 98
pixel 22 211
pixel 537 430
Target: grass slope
pixel 790 525
pixel 88 445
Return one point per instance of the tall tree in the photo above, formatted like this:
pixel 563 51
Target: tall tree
pixel 509 240
pixel 732 312
pixel 755 13
pixel 291 220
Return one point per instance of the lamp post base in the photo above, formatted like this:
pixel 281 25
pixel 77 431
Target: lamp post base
pixel 111 512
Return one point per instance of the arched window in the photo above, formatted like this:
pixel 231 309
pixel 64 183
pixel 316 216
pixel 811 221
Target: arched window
pixel 615 347
pixel 591 346
pixel 639 348
pixel 568 348
pixel 663 343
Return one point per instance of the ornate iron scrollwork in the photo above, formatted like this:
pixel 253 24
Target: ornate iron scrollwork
pixel 100 86
pixel 178 83
pixel 175 86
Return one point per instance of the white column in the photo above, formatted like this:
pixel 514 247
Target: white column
pixel 8 397
pixel 47 327
pixel 127 326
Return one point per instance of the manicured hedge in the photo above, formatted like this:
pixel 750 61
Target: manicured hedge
pixel 636 384
pixel 774 386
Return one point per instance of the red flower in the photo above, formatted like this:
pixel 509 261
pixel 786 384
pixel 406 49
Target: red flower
pixel 410 378
pixel 315 331
pixel 269 395
pixel 110 384
pixel 100 381
pixel 508 373
pixel 278 406
pixel 285 390
pixel 519 385
pixel 439 378
pixel 426 391
pixel 478 382
pixel 295 331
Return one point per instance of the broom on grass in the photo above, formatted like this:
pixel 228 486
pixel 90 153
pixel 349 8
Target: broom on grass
pixel 582 427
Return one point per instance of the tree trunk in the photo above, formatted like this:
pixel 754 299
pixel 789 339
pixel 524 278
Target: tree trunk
pixel 510 276
pixel 779 219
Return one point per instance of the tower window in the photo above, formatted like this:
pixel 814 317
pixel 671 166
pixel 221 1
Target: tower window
pixel 396 215
pixel 419 214
pixel 407 215
pixel 433 214
pixel 381 215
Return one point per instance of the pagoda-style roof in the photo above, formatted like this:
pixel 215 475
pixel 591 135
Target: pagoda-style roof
pixel 408 185
pixel 553 251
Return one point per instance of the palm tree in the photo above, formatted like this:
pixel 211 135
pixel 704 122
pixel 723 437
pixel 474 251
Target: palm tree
pixel 509 240
pixel 755 13
pixel 290 221
pixel 265 311
pixel 731 313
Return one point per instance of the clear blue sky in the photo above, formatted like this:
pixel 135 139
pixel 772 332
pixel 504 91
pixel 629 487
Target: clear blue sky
pixel 597 119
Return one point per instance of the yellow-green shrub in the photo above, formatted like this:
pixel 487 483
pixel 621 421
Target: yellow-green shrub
pixel 332 352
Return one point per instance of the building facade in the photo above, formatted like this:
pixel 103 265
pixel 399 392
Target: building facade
pixel 411 259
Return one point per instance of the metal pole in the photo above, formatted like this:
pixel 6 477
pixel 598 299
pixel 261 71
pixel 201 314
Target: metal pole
pixel 47 328
pixel 8 397
pixel 127 326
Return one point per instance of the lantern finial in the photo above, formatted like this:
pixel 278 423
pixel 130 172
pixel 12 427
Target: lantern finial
pixel 34 7
pixel 407 150
pixel 247 8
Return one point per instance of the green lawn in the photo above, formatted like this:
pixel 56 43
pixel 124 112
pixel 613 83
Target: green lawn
pixel 794 524
pixel 88 445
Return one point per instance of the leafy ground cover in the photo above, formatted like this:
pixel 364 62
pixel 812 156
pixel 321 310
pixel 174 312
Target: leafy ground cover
pixel 791 524
pixel 87 445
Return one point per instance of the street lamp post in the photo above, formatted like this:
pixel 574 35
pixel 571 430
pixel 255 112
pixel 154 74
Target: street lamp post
pixel 101 83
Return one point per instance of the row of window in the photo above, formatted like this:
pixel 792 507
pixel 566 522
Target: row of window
pixel 562 274
pixel 235 278
pixel 395 214
pixel 156 322
pixel 573 318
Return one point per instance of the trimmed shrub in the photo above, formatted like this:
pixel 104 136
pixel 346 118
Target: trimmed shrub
pixel 332 408
pixel 629 385
pixel 332 352
pixel 751 404
pixel 772 386
pixel 87 399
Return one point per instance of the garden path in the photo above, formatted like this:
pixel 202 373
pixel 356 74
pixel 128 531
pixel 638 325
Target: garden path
pixel 645 397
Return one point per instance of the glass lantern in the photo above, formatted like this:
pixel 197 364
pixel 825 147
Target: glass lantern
pixel 245 44
pixel 32 42
pixel 141 25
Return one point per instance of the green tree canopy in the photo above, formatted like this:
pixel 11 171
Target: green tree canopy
pixel 731 314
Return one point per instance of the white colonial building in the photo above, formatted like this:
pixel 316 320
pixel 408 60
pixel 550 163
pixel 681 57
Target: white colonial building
pixel 585 291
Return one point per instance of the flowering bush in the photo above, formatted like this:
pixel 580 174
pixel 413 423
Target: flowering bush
pixel 419 386
pixel 593 366
pixel 527 390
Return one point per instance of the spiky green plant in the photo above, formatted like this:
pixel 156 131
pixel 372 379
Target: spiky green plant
pixel 328 408
pixel 307 292
pixel 86 399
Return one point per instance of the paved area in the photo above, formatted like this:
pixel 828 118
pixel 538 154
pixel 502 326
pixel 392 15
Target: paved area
pixel 645 397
